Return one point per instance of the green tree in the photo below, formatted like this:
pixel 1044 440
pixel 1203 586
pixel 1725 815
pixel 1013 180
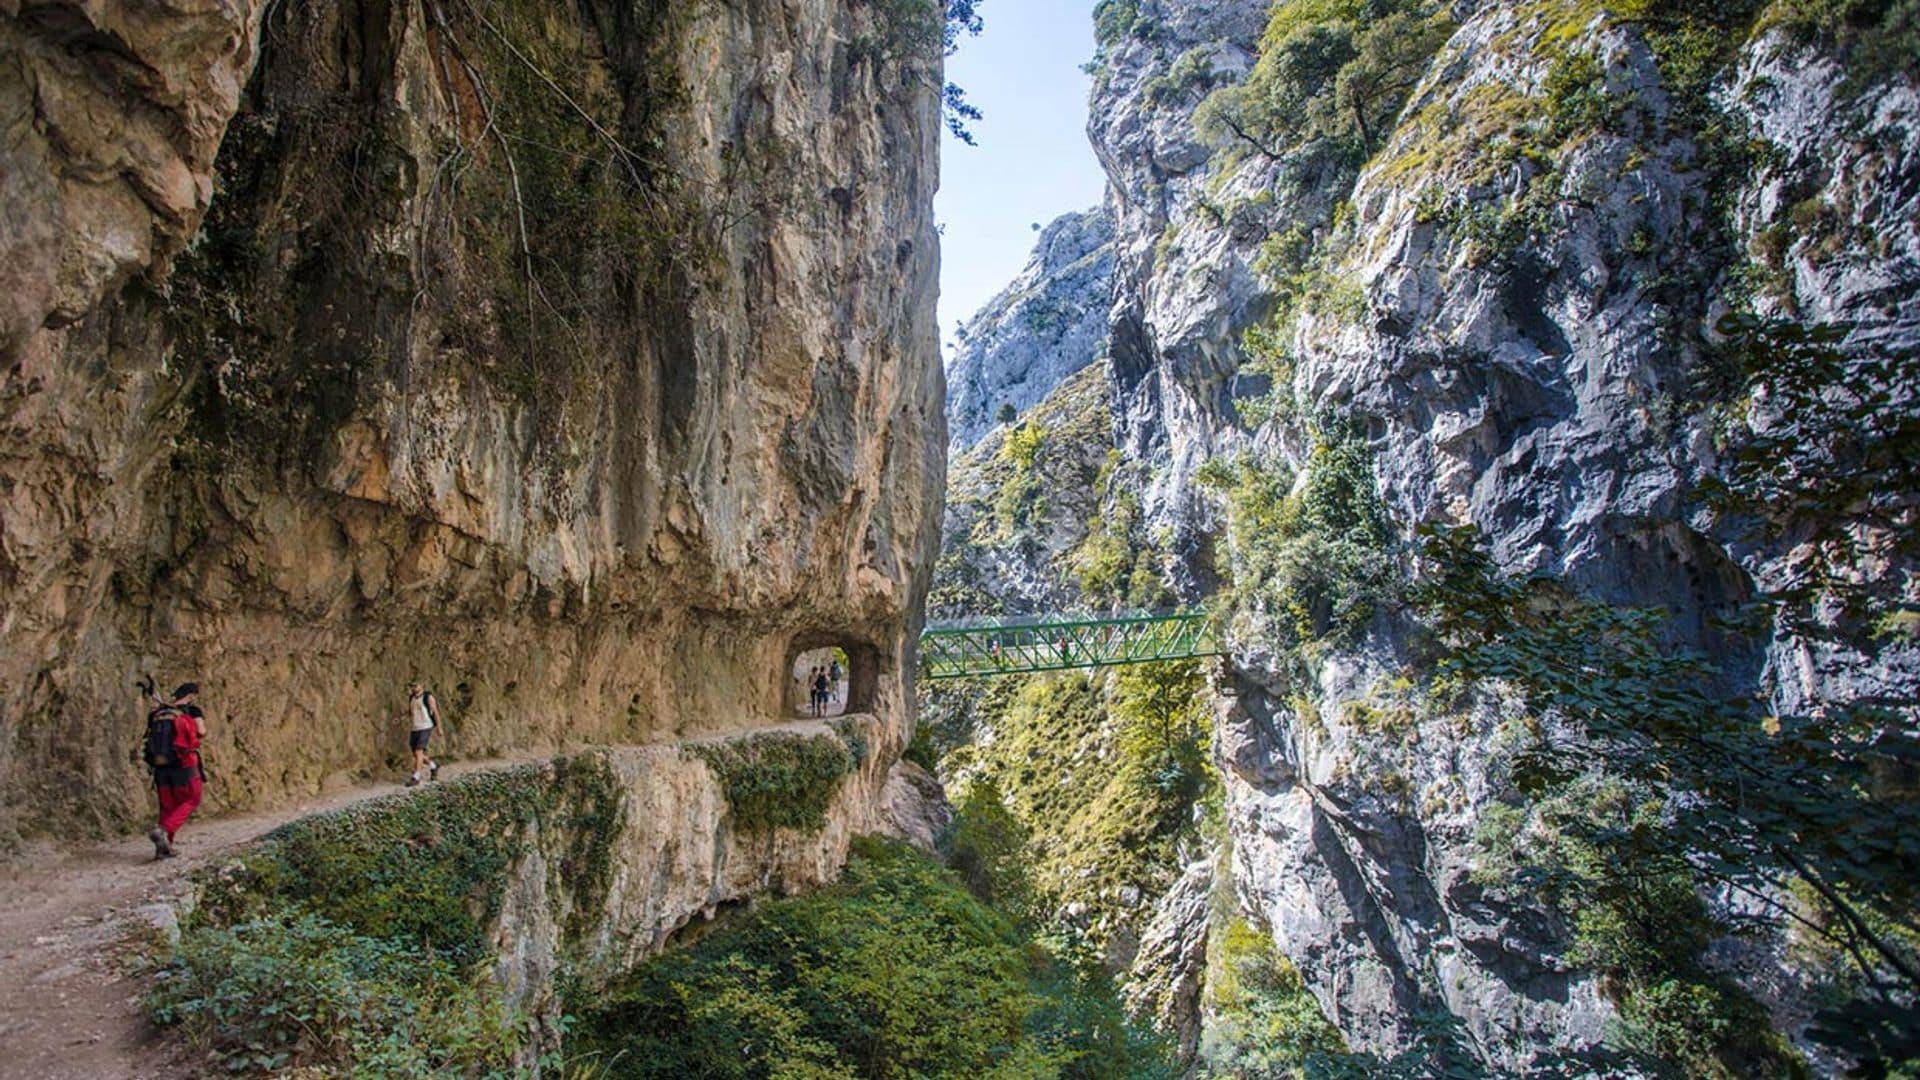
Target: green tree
pixel 1332 76
pixel 895 972
pixel 1162 734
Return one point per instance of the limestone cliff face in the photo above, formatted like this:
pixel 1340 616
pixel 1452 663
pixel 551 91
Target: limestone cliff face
pixel 1514 334
pixel 1046 325
pixel 580 360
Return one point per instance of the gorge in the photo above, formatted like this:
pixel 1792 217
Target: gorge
pixel 1524 390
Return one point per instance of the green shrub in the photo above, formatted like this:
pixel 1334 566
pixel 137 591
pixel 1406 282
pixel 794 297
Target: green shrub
pixel 357 940
pixel 1101 775
pixel 1576 96
pixel 1267 354
pixel 1261 1020
pixel 987 846
pixel 894 972
pixel 778 779
pixel 1023 444
pixel 1880 37
pixel 1315 564
pixel 1332 75
pixel 1637 788
pixel 427 869
pixel 1192 72
pixel 1114 19
pixel 290 989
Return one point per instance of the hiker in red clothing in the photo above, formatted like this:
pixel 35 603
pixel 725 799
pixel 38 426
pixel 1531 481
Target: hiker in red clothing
pixel 174 729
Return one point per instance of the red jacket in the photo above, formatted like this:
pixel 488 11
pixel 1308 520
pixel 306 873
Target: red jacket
pixel 186 740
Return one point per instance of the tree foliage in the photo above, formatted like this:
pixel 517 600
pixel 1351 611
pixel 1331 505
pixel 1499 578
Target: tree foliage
pixel 1821 456
pixel 894 972
pixel 1332 77
pixel 1311 561
pixel 1649 785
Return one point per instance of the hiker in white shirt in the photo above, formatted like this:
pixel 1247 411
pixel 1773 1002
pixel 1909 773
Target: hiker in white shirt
pixel 424 716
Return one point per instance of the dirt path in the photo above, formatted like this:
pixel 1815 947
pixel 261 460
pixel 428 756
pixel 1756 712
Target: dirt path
pixel 71 1009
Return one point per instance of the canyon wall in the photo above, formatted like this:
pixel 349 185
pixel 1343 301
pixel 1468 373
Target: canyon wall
pixel 1502 312
pixel 577 360
pixel 1037 331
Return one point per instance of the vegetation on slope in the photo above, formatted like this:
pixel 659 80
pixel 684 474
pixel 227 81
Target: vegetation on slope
pixel 779 779
pixel 897 971
pixel 356 941
pixel 1331 77
pixel 1100 774
pixel 1259 1018
pixel 1026 489
pixel 1310 562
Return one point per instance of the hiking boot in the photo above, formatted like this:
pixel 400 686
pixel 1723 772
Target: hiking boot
pixel 433 770
pixel 162 848
pixel 414 780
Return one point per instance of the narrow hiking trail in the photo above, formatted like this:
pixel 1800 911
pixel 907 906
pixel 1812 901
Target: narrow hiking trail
pixel 70 923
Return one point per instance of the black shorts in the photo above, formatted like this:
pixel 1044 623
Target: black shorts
pixel 417 740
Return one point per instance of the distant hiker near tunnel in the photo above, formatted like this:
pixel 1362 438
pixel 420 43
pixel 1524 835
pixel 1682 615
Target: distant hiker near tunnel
pixel 827 678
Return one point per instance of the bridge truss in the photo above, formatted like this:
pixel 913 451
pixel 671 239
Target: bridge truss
pixel 952 652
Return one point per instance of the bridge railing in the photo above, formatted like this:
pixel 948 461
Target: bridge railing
pixel 1017 647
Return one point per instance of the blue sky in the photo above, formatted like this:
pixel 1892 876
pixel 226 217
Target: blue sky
pixel 1032 163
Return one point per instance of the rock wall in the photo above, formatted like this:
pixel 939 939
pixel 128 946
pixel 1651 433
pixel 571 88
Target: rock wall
pixel 1515 325
pixel 578 360
pixel 1046 325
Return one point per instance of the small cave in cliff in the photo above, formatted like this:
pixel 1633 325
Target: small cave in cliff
pixel 847 668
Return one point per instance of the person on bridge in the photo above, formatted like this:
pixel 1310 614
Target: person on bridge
pixel 1060 643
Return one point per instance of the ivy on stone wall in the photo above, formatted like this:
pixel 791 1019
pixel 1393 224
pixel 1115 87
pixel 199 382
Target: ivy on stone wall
pixel 778 779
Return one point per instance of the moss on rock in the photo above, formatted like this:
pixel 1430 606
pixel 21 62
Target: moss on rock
pixel 779 779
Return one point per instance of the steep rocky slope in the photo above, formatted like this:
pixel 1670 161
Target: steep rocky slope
pixel 579 360
pixel 1021 504
pixel 1381 269
pixel 1046 325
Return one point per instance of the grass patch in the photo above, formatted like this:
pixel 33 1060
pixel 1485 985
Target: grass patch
pixel 358 941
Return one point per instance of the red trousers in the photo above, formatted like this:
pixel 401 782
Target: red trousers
pixel 177 804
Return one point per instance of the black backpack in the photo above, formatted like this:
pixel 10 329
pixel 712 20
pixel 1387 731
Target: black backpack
pixel 158 752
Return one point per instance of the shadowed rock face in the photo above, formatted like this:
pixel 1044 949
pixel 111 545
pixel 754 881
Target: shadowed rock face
pixel 580 361
pixel 1539 395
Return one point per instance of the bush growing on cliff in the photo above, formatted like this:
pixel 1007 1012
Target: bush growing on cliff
pixel 1881 37
pixel 1261 1020
pixel 1103 779
pixel 357 940
pixel 779 779
pixel 1638 788
pixel 894 972
pixel 1313 564
pixel 289 989
pixel 1331 77
pixel 916 31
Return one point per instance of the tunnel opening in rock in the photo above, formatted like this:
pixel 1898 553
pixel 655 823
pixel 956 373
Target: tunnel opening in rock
pixel 844 670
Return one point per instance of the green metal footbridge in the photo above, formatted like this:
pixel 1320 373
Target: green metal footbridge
pixel 952 651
